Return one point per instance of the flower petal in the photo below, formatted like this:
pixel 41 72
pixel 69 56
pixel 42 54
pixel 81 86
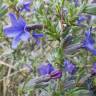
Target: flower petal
pixel 94 52
pixel 69 67
pixel 15 42
pixel 37 41
pixel 25 36
pixel 21 22
pixel 13 18
pixel 89 37
pixel 37 35
pixel 12 31
pixel 88 42
pixel 45 69
pixel 76 3
pixel 27 6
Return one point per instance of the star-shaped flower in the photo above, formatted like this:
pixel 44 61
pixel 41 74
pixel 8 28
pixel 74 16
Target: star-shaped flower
pixel 17 30
pixel 69 67
pixel 88 42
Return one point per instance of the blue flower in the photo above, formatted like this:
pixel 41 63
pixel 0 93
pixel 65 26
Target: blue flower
pixel 88 42
pixel 17 30
pixel 69 67
pixel 24 5
pixel 76 2
pixel 80 20
pixel 36 36
pixel 45 69
pixel 48 69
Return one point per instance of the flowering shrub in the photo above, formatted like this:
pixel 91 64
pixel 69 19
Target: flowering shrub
pixel 47 48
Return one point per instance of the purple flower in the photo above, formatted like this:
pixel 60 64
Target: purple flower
pixel 88 42
pixel 93 70
pixel 80 20
pixel 16 30
pixel 50 70
pixel 36 36
pixel 45 69
pixel 69 67
pixel 76 2
pixel 24 5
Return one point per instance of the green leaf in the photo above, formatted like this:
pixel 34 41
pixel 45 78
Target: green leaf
pixel 14 1
pixel 51 29
pixel 90 9
pixel 57 56
pixel 77 92
pixel 3 10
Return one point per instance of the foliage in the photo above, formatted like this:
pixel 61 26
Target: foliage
pixel 47 48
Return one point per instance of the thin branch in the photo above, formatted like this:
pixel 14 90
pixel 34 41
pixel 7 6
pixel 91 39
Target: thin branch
pixel 12 74
pixel 7 65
